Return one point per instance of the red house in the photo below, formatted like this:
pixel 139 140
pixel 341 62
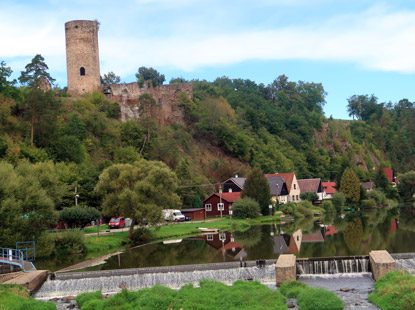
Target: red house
pixel 218 203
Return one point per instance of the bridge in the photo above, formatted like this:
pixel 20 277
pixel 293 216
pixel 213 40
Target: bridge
pixel 17 257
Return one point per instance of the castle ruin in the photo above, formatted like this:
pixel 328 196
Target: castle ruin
pixel 83 70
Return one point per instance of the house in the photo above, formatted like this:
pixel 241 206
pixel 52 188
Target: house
pixel 312 186
pixel 219 204
pixel 389 174
pixel 234 185
pixel 278 189
pixel 292 185
pixel 329 188
pixel 367 186
pixel 195 213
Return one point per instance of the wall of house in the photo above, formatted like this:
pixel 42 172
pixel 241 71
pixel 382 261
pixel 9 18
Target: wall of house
pixel 229 186
pixel 294 195
pixel 197 214
pixel 214 200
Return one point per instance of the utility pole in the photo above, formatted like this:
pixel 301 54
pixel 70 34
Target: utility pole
pixel 220 199
pixel 75 194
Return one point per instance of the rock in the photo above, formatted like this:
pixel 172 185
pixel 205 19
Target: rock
pixel 71 306
pixel 345 289
pixel 54 299
pixel 107 296
pixel 68 298
pixel 290 304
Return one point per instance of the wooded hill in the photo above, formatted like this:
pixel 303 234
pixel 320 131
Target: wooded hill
pixel 230 126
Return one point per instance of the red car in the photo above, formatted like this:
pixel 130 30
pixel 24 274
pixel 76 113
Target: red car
pixel 117 222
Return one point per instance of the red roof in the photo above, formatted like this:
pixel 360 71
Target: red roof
pixel 329 187
pixel 288 178
pixel 389 174
pixel 330 230
pixel 229 197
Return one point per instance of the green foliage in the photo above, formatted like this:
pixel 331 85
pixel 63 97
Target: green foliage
pixel 321 299
pixel 350 186
pixel 79 215
pixel 338 200
pixel 150 75
pixel 406 184
pixel 377 196
pixel 110 78
pixel 35 71
pixel 246 208
pixel 142 235
pixel 140 190
pixel 292 288
pixel 197 202
pixel 304 208
pixel 256 187
pixel 394 290
pixel 328 206
pixel 70 241
pixel 353 233
pixel 126 154
pixel 81 299
pixel 67 148
pixel 210 295
pixel 310 196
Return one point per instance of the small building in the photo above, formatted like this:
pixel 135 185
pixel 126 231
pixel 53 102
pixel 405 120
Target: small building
pixel 329 189
pixel 195 214
pixel 278 189
pixel 292 185
pixel 219 204
pixel 367 186
pixel 312 186
pixel 233 185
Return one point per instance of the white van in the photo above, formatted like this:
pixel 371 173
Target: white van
pixel 173 215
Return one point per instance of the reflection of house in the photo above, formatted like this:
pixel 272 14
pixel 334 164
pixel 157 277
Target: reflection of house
pixel 312 186
pixel 329 188
pixel 225 243
pixel 292 185
pixel 313 237
pixel 367 186
pixel 219 204
pixel 329 230
pixel 294 243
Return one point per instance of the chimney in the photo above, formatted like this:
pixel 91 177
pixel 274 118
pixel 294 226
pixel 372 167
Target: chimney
pixel 236 175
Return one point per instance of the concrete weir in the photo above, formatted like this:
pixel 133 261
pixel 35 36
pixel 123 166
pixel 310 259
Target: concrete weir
pixel 285 268
pixel 381 263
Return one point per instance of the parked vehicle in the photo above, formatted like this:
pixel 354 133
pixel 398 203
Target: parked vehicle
pixel 173 215
pixel 187 218
pixel 117 222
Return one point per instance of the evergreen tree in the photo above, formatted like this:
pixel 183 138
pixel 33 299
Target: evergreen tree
pixel 197 202
pixel 350 186
pixel 256 187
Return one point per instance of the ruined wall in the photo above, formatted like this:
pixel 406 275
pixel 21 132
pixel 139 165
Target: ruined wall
pixel 166 112
pixel 82 56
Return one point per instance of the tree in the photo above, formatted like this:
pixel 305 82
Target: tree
pixel 350 186
pixel 36 101
pixel 354 107
pixel 7 87
pixel 381 181
pixel 256 187
pixel 79 215
pixel 150 75
pixel 246 208
pixel 310 196
pixel 139 190
pixel 110 78
pixel 197 202
pixel 406 184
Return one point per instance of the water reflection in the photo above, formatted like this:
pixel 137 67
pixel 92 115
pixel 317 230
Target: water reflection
pixel 356 234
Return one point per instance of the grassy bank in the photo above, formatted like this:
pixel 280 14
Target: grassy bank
pixel 16 297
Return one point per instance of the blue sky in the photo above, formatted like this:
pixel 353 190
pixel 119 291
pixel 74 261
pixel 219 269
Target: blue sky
pixel 351 47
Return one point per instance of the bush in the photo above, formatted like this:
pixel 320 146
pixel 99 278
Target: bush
pixel 80 215
pixel 310 196
pixel 321 299
pixel 288 208
pixel 83 298
pixel 377 196
pixel 45 245
pixel 328 206
pixel 292 288
pixel 246 208
pixel 394 290
pixel 71 241
pixel 142 235
pixel 338 201
pixel 368 203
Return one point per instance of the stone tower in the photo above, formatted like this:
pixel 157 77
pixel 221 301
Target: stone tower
pixel 82 56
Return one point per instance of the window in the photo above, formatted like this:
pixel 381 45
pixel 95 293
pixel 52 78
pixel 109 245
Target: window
pixel 208 207
pixel 222 236
pixel 296 197
pixel 209 237
pixel 293 198
pixel 294 186
pixel 82 71
pixel 221 206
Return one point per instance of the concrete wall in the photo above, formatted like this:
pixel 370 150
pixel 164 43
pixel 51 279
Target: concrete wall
pixel 285 268
pixel 381 263
pixel 82 52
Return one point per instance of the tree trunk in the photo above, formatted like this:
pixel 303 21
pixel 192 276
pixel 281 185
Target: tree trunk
pixel 130 232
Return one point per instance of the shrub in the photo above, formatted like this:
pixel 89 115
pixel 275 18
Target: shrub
pixel 292 288
pixel 246 207
pixel 45 245
pixel 338 200
pixel 328 206
pixel 141 235
pixel 310 196
pixel 83 298
pixel 304 209
pixel 80 215
pixel 394 290
pixel 321 299
pixel 288 208
pixel 377 196
pixel 71 241
pixel 368 203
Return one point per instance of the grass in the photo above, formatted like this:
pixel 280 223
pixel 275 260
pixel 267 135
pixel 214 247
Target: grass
pixel 105 244
pixel 16 297
pixel 210 295
pixel 309 298
pixel 394 290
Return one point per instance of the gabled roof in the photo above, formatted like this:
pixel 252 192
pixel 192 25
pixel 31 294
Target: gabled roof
pixel 367 185
pixel 238 182
pixel 229 197
pixel 309 185
pixel 275 185
pixel 389 174
pixel 329 187
pixel 313 237
pixel 288 178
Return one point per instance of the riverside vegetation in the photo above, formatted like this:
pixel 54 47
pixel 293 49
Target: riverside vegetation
pixel 50 143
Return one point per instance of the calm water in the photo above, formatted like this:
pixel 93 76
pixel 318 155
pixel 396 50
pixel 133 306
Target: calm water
pixel 356 234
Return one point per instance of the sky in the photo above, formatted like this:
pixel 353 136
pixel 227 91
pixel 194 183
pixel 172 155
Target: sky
pixel 353 47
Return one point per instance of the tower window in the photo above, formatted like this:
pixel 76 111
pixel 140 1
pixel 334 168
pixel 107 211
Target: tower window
pixel 82 71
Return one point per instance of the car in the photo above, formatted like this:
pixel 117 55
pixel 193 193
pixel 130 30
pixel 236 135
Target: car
pixel 187 218
pixel 117 222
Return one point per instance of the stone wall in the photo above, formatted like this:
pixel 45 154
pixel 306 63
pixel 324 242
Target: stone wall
pixel 82 56
pixel 381 262
pixel 166 111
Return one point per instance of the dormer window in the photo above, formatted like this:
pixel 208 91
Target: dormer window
pixel 82 71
